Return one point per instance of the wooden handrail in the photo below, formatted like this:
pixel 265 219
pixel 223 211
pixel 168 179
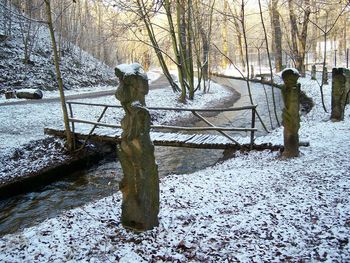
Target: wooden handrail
pixel 176 128
pixel 212 125
pixel 250 107
pixel 215 128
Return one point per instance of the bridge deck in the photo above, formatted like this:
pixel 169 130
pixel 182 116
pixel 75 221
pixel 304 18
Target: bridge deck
pixel 203 141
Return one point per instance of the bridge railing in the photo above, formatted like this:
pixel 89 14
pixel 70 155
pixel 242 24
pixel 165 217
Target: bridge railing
pixel 195 111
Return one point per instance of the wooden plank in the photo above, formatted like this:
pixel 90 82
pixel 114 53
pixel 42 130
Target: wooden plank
pixel 176 128
pixel 156 141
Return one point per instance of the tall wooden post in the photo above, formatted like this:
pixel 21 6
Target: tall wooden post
pixel 140 183
pixel 313 72
pixel 340 89
pixel 325 76
pixel 290 115
pixel 252 74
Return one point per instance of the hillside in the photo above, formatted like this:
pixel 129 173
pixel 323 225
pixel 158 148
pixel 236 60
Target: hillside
pixel 79 69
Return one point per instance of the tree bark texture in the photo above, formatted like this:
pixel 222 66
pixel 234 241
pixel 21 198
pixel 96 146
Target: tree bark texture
pixel 299 37
pixel 69 137
pixel 325 76
pixel 277 35
pixel 340 89
pixel 140 183
pixel 290 115
pixel 224 33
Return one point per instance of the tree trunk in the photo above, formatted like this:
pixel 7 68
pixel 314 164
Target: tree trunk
pixel 189 51
pixel 181 37
pixel 70 143
pixel 151 34
pixel 239 39
pixel 277 35
pixel 270 65
pixel 299 38
pixel 224 32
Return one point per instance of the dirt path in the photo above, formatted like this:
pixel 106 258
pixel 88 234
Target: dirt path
pixel 159 83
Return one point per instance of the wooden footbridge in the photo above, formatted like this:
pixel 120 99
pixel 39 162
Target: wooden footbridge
pixel 162 135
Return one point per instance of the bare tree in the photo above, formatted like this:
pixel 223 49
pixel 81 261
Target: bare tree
pixel 29 29
pixel 277 34
pixel 70 143
pixel 270 65
pixel 299 35
pixel 6 10
pixel 204 29
pixel 224 33
pixel 326 27
pixel 237 25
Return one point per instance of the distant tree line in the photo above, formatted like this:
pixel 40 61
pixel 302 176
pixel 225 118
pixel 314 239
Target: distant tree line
pixel 194 37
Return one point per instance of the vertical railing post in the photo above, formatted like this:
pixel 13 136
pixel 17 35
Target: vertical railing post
pixel 72 123
pixel 252 132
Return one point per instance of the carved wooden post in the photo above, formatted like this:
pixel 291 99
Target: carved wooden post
pixel 290 115
pixel 140 183
pixel 339 93
pixel 325 76
pixel 313 72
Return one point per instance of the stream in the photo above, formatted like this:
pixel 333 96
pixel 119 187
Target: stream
pixel 85 186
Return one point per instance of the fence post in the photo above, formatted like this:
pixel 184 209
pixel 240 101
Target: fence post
pixel 252 132
pixel 290 115
pixel 140 183
pixel 325 76
pixel 73 125
pixel 339 92
pixel 313 72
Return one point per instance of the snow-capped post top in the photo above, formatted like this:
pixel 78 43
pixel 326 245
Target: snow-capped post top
pixel 290 75
pixel 133 83
pixel 124 70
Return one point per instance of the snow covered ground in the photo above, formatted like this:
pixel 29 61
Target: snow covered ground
pixel 254 207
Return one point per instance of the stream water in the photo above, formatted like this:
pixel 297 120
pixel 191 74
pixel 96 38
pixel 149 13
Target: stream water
pixel 82 187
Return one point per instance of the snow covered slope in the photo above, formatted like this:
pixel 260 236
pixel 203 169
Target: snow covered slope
pixel 79 69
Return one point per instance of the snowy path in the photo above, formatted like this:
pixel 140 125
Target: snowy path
pixel 158 83
pixel 95 94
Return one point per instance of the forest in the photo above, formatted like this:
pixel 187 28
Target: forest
pixel 206 35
